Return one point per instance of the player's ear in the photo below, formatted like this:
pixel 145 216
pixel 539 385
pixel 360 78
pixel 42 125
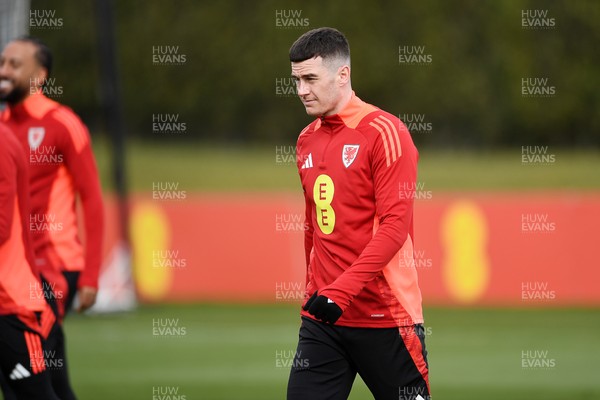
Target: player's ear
pixel 41 74
pixel 344 74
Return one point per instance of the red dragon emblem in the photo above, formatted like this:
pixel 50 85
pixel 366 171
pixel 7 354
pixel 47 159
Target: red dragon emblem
pixel 349 154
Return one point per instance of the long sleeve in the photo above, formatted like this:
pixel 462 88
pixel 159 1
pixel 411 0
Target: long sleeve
pixel 394 177
pixel 8 191
pixel 81 164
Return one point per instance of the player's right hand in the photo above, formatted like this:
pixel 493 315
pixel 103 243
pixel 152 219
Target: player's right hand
pixel 323 308
pixel 87 298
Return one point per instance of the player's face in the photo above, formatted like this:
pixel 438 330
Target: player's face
pixel 319 86
pixel 20 73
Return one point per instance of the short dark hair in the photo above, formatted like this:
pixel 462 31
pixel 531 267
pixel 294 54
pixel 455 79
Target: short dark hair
pixel 43 54
pixel 329 43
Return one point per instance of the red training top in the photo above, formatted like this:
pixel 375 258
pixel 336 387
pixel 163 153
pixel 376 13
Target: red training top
pixel 61 165
pixel 358 169
pixel 21 292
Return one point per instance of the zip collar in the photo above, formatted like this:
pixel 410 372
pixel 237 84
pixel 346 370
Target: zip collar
pixel 34 106
pixel 352 113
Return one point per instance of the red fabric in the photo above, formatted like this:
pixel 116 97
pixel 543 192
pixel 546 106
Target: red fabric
pixel 415 349
pixel 62 166
pixel 358 170
pixel 36 353
pixel 20 291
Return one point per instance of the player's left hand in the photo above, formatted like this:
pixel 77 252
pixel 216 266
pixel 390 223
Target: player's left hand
pixel 87 298
pixel 323 308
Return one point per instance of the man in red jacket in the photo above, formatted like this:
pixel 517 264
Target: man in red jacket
pixel 25 317
pixel 363 310
pixel 61 167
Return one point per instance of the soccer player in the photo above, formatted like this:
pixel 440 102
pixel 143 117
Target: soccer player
pixel 362 312
pixel 25 317
pixel 61 167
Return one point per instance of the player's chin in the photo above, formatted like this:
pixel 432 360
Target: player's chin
pixel 5 91
pixel 5 86
pixel 312 111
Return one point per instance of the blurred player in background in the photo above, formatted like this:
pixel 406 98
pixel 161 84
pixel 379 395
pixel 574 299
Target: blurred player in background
pixel 358 169
pixel 61 166
pixel 25 317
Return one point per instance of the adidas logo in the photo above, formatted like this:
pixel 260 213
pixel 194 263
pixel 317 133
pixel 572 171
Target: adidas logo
pixel 308 163
pixel 20 372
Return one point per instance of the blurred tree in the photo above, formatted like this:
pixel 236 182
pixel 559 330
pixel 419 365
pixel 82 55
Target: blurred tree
pixel 236 51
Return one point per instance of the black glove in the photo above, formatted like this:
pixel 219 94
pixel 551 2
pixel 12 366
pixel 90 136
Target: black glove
pixel 323 308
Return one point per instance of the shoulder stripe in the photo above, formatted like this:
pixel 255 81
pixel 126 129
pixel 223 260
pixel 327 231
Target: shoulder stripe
pixel 75 127
pixel 394 133
pixel 384 140
pixel 390 138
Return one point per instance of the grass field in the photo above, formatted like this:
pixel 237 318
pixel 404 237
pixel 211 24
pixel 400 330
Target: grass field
pixel 231 352
pixel 198 167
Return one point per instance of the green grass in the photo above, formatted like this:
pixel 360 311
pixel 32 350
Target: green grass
pixel 198 167
pixel 229 352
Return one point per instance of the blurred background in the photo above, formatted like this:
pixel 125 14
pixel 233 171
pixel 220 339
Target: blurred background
pixel 194 120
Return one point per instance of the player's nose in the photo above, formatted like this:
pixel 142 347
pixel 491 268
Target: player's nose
pixel 5 70
pixel 302 88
